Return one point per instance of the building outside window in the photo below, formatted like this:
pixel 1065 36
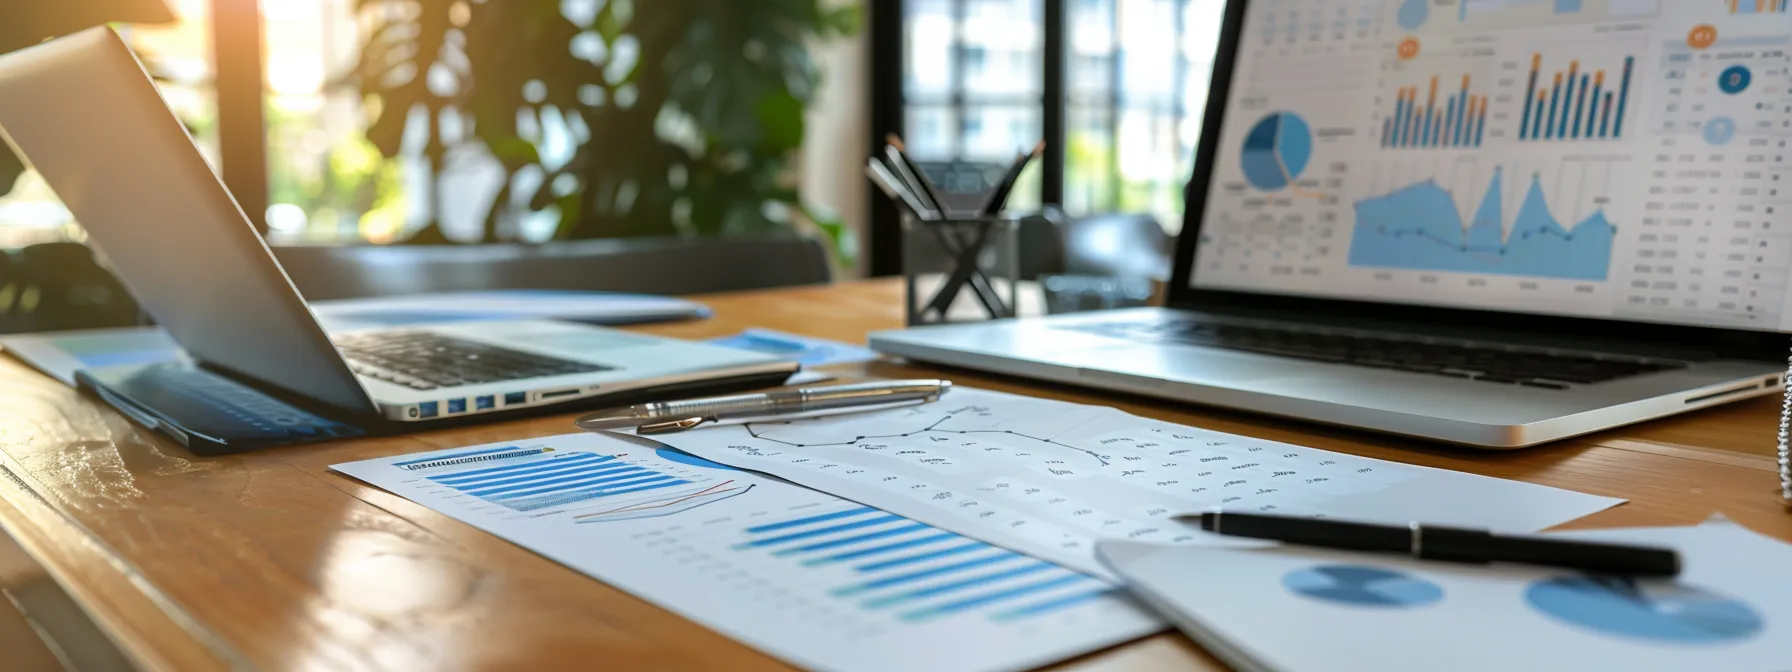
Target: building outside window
pixel 1136 74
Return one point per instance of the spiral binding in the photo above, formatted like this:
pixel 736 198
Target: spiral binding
pixel 1786 438
pixel 503 456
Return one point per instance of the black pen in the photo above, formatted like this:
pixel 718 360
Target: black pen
pixel 997 198
pixel 1445 543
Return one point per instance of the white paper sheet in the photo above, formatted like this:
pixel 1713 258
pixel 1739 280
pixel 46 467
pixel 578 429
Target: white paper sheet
pixel 806 350
pixel 59 354
pixel 816 580
pixel 1049 478
pixel 1300 610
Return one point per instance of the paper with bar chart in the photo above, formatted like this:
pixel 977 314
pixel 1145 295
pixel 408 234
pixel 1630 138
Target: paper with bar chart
pixel 1051 478
pixel 811 578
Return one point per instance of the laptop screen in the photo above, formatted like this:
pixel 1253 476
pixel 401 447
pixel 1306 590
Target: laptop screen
pixel 1615 159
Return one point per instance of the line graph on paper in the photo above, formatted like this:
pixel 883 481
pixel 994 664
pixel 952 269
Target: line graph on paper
pixel 1051 478
pixel 1043 477
pixel 961 421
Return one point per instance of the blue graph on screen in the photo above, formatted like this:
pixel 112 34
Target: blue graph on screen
pixel 1276 151
pixel 1413 14
pixel 1420 228
pixel 919 573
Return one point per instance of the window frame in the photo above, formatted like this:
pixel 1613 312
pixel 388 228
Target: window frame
pixel 889 102
pixel 242 121
pixel 889 108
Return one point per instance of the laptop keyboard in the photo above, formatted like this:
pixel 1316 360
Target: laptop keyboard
pixel 424 360
pixel 1488 364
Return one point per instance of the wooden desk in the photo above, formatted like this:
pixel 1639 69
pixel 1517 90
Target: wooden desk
pixel 269 561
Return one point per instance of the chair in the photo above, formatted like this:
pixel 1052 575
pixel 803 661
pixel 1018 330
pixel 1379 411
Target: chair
pixel 641 265
pixel 59 286
pixel 1101 262
pixel 1126 246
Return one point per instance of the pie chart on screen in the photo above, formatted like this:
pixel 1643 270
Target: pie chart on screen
pixel 1276 151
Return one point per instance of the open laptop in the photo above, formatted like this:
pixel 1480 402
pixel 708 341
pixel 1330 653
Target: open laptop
pixel 84 113
pixel 1494 224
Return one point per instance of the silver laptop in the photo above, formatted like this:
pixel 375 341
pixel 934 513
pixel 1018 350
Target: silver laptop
pixel 1498 227
pixel 83 112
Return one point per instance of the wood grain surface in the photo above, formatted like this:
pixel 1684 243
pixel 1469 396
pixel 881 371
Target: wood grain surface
pixel 269 561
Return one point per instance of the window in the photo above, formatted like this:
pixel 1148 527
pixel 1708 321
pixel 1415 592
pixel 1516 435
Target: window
pixel 976 59
pixel 326 182
pixel 972 84
pixel 1127 95
pixel 1135 91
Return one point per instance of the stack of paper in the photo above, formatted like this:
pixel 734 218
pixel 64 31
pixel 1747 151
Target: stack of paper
pixel 814 579
pixel 969 539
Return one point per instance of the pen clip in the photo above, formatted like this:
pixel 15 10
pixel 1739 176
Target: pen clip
pixel 670 426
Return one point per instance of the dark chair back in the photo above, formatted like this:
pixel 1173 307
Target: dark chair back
pixel 59 286
pixel 1124 246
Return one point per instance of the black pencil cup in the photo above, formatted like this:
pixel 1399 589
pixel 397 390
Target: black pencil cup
pixel 961 269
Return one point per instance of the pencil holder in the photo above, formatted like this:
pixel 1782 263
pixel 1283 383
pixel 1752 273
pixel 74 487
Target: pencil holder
pixel 961 269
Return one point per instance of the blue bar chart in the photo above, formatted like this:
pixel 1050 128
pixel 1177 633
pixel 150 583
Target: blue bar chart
pixel 566 478
pixel 1559 7
pixel 813 579
pixel 1758 6
pixel 918 573
pixel 1460 122
pixel 1575 104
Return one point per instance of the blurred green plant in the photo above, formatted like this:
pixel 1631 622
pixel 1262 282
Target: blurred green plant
pixel 686 114
pixel 352 181
pixel 33 21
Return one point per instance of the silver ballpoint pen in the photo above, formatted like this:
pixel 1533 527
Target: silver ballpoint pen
pixel 675 416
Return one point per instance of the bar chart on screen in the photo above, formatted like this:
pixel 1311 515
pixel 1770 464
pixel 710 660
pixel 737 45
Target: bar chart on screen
pixel 1758 6
pixel 1576 101
pixel 817 580
pixel 1420 119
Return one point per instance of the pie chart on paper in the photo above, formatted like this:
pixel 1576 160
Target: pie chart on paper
pixel 1358 586
pixel 1664 613
pixel 1277 151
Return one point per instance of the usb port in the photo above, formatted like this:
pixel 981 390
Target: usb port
pixel 515 398
pixel 457 406
pixel 427 409
pixel 485 403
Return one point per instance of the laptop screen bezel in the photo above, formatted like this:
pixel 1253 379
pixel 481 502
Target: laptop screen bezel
pixel 1183 294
